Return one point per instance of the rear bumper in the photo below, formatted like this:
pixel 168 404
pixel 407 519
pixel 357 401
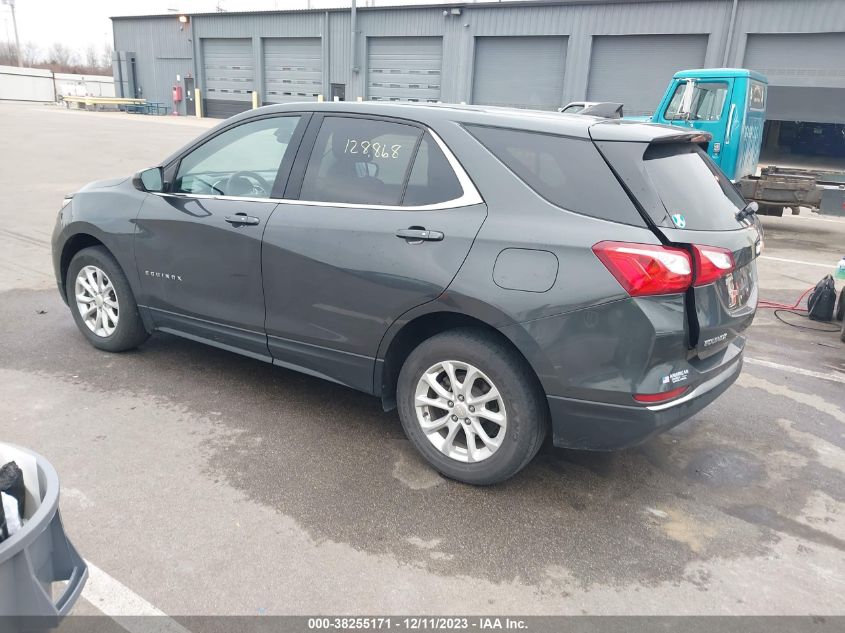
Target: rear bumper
pixel 599 426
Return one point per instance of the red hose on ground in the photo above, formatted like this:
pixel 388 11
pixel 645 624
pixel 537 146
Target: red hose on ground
pixel 774 305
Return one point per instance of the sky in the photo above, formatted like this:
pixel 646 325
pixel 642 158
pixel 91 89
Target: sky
pixel 80 23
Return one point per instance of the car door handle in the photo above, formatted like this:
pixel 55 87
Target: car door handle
pixel 242 218
pixel 419 235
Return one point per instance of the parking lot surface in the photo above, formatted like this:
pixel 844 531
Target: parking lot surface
pixel 196 481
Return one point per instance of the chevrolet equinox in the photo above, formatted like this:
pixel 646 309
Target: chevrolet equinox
pixel 493 274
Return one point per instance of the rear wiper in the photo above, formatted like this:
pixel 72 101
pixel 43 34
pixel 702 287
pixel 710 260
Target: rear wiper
pixel 747 211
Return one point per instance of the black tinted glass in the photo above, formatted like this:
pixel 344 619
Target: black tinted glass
pixel 568 172
pixel 694 191
pixel 432 178
pixel 359 161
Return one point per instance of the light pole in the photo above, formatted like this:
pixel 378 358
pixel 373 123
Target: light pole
pixel 11 4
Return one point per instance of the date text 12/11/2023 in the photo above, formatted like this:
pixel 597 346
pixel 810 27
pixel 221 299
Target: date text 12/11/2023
pixel 422 623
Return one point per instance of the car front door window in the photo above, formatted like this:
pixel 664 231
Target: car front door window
pixel 241 162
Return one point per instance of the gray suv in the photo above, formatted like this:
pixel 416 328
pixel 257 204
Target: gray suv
pixel 494 274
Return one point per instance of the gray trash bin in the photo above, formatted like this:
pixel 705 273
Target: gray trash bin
pixel 39 554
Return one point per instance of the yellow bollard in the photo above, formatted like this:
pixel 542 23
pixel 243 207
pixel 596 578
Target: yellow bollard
pixel 254 99
pixel 198 101
pixel 319 98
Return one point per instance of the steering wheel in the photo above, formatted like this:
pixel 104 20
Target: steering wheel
pixel 247 183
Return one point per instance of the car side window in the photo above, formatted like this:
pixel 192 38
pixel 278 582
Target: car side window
pixel 432 178
pixel 242 161
pixel 568 172
pixel 359 161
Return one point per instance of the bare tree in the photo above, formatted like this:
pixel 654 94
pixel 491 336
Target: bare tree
pixel 30 54
pixel 8 55
pixel 92 57
pixel 60 57
pixel 105 60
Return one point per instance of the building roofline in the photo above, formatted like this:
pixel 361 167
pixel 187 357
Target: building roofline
pixel 393 7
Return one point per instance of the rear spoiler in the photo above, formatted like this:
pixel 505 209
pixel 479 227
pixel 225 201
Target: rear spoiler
pixel 637 132
pixel 606 110
pixel 699 138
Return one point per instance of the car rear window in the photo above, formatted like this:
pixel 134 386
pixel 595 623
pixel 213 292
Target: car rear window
pixel 695 192
pixel 568 172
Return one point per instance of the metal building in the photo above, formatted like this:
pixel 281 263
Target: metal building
pixel 537 54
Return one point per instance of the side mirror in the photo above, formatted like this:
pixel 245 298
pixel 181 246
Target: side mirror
pixel 151 180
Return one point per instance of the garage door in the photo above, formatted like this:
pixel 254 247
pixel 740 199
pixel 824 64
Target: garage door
pixel 806 74
pixel 524 72
pixel 404 68
pixel 229 76
pixel 635 69
pixel 293 69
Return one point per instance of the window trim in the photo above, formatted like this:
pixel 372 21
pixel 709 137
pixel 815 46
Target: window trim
pixel 470 196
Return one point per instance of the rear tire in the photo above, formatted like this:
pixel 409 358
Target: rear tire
pixel 102 303
pixel 463 441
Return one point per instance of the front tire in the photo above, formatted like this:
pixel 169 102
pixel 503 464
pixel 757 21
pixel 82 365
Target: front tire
pixel 471 406
pixel 102 302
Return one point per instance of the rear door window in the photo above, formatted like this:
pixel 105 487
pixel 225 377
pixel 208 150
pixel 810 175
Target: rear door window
pixel 696 194
pixel 568 172
pixel 360 161
pixel 432 178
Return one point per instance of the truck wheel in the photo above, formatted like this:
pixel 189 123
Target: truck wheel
pixel 471 406
pixel 102 302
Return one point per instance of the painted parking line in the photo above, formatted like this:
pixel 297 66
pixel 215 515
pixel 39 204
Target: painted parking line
pixel 123 605
pixel 795 261
pixel 834 376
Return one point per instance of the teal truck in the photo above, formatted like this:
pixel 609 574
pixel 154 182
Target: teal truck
pixel 729 104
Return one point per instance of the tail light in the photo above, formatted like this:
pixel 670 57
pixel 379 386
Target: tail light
pixel 646 269
pixel 652 398
pixel 711 263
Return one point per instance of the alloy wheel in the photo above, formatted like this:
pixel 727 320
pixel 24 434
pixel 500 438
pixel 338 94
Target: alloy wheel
pixel 96 301
pixel 460 411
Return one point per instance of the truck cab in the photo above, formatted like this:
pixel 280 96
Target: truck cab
pixel 727 103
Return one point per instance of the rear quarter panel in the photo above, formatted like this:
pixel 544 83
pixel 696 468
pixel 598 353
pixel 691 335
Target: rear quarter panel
pixel 584 334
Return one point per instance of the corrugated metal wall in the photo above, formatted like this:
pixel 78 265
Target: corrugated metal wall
pixel 162 50
pixel 579 21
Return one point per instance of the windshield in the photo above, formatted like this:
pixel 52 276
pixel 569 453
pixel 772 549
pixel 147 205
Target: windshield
pixel 696 194
pixel 706 104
